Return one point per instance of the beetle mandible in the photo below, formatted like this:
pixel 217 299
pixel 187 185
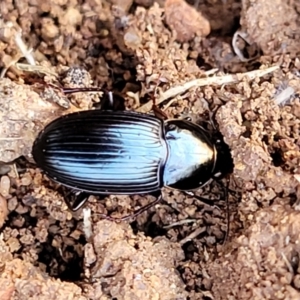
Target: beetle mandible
pixel 124 152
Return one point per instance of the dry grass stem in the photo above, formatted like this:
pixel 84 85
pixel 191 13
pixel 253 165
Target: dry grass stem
pixel 35 69
pixel 216 80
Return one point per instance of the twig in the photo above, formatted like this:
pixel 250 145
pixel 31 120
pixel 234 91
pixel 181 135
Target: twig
pixel 10 138
pixel 237 51
pixel 211 72
pixel 87 225
pixel 182 222
pixel 288 264
pixel 193 235
pixel 23 49
pixel 284 96
pixel 25 52
pixel 35 69
pixel 216 80
pixel 16 170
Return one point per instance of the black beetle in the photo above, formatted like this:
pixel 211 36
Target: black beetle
pixel 124 152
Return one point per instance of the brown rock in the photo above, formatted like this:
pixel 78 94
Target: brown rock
pixel 3 211
pixel 271 24
pixel 142 273
pixel 185 20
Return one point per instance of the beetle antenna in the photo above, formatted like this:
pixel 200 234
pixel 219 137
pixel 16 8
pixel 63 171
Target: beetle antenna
pixel 73 198
pixel 160 114
pixel 226 196
pixel 67 90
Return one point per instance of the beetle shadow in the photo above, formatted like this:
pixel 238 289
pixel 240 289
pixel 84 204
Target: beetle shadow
pixel 68 260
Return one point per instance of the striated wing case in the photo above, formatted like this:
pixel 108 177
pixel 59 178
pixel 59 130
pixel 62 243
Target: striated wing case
pixel 104 152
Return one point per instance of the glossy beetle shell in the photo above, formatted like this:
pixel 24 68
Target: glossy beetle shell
pixel 104 152
pixel 124 152
pixel 192 156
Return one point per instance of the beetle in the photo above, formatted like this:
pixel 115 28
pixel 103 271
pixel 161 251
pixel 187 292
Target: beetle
pixel 124 152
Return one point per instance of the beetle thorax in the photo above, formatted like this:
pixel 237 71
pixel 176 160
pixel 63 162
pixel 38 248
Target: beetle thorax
pixel 191 157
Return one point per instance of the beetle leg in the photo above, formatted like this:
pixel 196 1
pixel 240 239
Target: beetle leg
pixel 211 203
pixel 206 201
pixel 156 110
pixel 159 113
pixel 75 199
pixel 110 101
pixel 67 90
pixel 134 214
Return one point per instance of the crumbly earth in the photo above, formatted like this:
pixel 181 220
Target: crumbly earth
pixel 182 248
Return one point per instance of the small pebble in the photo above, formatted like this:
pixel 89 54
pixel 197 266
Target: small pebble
pixel 296 281
pixel 12 203
pixel 89 254
pixel 4 186
pixel 26 179
pixel 123 5
pixel 49 30
pixel 72 17
pixel 132 38
pixel 145 3
pixel 3 210
pixel 4 169
pixel 185 20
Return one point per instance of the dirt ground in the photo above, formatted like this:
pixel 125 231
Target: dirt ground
pixel 235 60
